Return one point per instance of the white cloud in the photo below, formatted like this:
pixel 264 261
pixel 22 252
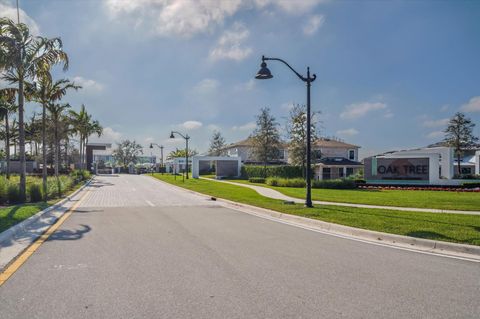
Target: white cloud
pixel 206 86
pixel 358 110
pixel 313 24
pixel 444 108
pixel 472 106
pixel 435 123
pixel 246 86
pixel 230 45
pixel 250 126
pixel 388 115
pixel 173 17
pixel 347 132
pixel 435 134
pixel 109 135
pixel 190 17
pixel 88 84
pixel 191 125
pixel 11 13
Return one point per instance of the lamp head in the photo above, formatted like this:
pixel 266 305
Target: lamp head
pixel 151 145
pixel 171 135
pixel 264 73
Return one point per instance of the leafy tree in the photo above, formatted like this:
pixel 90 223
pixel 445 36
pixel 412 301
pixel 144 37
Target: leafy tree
pixel 181 153
pixel 459 135
pixel 25 57
pixel 217 144
pixel 297 132
pixel 266 138
pixel 127 152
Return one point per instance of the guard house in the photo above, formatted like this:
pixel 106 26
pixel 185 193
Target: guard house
pixel 91 147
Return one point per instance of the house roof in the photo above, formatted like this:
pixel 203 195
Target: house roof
pixel 249 142
pixel 340 161
pixel 327 142
pixel 321 142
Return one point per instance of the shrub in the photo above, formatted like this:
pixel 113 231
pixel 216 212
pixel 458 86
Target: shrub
pixel 285 182
pixel 13 194
pixel 335 183
pixel 259 180
pixel 35 192
pixel 80 175
pixel 471 185
pixel 283 171
pixel 3 190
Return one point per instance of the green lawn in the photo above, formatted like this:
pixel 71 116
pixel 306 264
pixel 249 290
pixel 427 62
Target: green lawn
pixel 12 215
pixel 402 198
pixel 446 227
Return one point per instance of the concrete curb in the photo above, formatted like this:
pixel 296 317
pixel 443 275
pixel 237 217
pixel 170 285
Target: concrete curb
pixel 22 226
pixel 440 248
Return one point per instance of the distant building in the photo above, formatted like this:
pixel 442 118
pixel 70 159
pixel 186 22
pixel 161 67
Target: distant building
pixel 333 158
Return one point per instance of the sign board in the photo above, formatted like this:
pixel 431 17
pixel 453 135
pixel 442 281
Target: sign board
pixel 397 169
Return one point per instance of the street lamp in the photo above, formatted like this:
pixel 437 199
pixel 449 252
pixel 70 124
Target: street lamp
pixel 264 74
pixel 186 137
pixel 161 152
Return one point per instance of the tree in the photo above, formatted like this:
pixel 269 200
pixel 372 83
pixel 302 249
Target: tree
pixel 26 57
pixel 46 92
pixel 84 126
pixel 297 132
pixel 266 138
pixel 181 153
pixel 217 143
pixel 56 112
pixel 7 107
pixel 459 135
pixel 127 152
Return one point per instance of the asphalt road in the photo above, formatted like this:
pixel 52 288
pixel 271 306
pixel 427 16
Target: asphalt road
pixel 138 248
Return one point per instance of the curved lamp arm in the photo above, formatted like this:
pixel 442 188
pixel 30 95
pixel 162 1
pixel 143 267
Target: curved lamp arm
pixel 304 79
pixel 184 136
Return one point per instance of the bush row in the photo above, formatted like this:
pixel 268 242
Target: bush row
pixel 10 191
pixel 283 171
pixel 299 182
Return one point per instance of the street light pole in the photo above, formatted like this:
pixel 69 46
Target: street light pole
pixel 264 74
pixel 186 137
pixel 161 149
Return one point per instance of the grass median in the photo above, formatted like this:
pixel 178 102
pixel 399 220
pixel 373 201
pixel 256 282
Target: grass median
pixel 404 198
pixel 14 214
pixel 445 227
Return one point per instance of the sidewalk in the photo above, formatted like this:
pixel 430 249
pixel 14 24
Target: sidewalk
pixel 271 193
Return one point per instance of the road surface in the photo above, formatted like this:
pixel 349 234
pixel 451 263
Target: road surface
pixel 139 248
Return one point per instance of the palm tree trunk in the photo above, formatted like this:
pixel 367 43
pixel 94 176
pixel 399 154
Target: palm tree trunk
pixel 21 131
pixel 44 153
pixel 7 146
pixel 57 153
pixel 80 151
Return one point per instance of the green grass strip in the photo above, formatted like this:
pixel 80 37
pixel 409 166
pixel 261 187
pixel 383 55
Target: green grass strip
pixel 445 227
pixel 450 200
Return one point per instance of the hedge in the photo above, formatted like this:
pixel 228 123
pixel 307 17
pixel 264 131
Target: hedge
pixel 283 171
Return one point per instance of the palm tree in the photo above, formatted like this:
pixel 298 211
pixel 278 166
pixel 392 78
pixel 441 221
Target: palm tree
pixel 46 92
pixel 56 112
pixel 7 107
pixel 79 122
pixel 26 57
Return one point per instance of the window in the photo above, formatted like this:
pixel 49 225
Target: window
pixel 326 173
pixel 349 171
pixel 351 155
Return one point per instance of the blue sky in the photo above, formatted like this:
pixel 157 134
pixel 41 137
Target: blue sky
pixel 389 73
